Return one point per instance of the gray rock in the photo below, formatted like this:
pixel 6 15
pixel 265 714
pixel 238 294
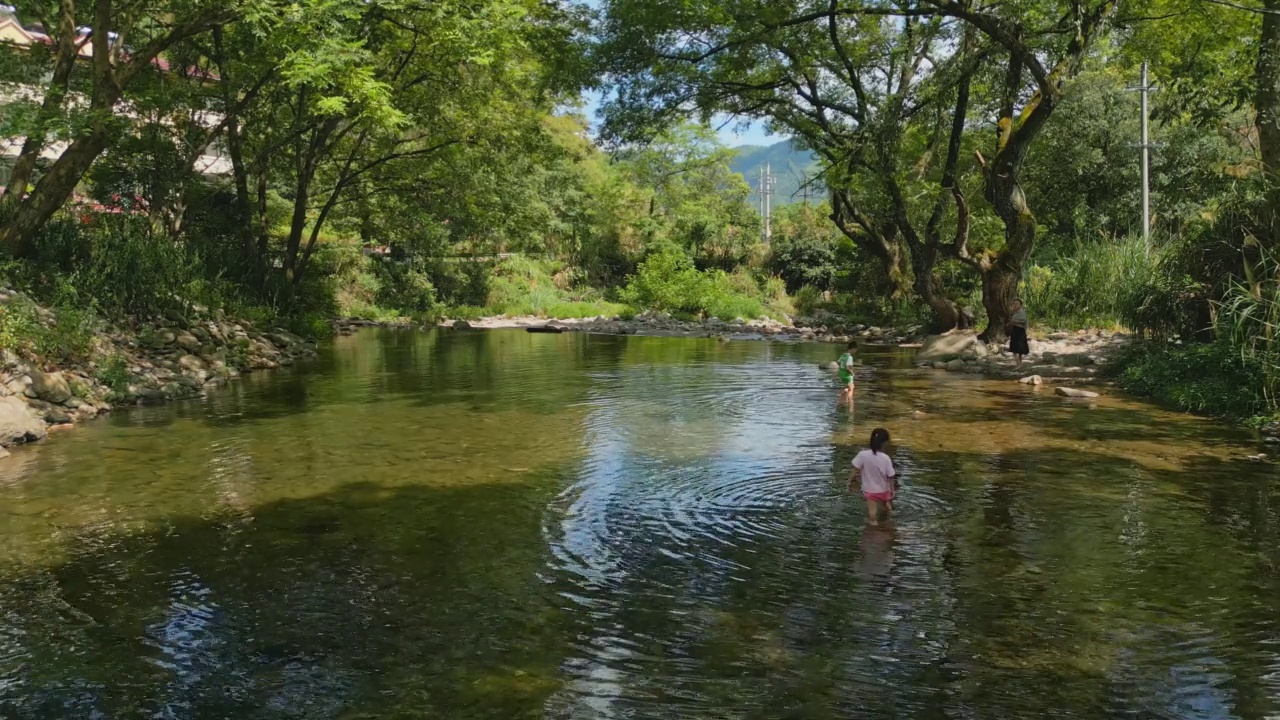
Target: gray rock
pixel 284 339
pixel 1271 440
pixel 1075 392
pixel 1032 380
pixel 938 365
pixel 57 416
pixel 955 365
pixel 1075 360
pixel 177 318
pixel 829 365
pixel 945 347
pixel 152 395
pixel 190 363
pixel 188 342
pixel 3 453
pixel 50 388
pixel 18 424
pixel 461 325
pixel 1049 357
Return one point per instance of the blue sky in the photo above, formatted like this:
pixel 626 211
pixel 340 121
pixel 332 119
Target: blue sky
pixel 754 134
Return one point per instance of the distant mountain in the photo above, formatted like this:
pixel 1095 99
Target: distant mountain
pixel 790 168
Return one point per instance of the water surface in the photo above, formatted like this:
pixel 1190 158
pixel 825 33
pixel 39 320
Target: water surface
pixel 506 525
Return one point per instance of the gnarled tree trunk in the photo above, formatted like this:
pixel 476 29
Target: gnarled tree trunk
pixel 881 242
pixel 1267 113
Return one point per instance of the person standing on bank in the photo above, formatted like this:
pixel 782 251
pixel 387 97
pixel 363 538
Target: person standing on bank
pixel 1018 332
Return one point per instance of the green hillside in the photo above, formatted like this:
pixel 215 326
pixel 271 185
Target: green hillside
pixel 790 168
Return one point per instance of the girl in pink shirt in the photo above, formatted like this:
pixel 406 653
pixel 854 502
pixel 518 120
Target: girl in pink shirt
pixel 874 469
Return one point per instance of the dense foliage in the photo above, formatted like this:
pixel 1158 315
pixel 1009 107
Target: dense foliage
pixel 316 157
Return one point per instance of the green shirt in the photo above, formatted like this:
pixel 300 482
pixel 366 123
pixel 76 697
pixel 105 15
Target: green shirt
pixel 845 362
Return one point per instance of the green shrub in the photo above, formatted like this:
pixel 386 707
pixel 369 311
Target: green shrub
pixel 65 337
pixel 404 288
pixel 19 326
pixel 808 299
pixel 114 261
pixel 1207 378
pixel 114 373
pixel 667 281
pixel 1092 284
pixel 803 251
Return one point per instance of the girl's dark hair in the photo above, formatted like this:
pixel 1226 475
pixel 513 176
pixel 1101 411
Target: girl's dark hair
pixel 853 344
pixel 879 437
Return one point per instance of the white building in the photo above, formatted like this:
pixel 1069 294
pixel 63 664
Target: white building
pixel 13 32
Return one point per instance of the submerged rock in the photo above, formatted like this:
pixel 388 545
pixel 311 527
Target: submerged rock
pixel 1075 392
pixel 461 325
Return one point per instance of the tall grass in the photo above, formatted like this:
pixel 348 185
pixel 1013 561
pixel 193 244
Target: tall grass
pixel 1248 319
pixel 1094 284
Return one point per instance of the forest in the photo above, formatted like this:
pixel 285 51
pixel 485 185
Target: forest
pixel 297 160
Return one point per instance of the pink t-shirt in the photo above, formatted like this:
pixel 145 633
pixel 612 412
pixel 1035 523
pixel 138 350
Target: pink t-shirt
pixel 877 471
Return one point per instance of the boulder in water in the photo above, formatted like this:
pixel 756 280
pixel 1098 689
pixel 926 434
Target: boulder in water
pixel 461 325
pixel 945 347
pixel 829 365
pixel 1032 380
pixel 18 424
pixel 1075 392
pixel 955 365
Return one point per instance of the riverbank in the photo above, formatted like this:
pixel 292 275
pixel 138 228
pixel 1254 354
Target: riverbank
pixel 828 330
pixel 1056 356
pixel 126 363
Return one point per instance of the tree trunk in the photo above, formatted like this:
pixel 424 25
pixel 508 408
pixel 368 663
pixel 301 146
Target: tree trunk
pixel 883 243
pixel 51 193
pixel 50 106
pixel 1267 113
pixel 1001 274
pixel 947 314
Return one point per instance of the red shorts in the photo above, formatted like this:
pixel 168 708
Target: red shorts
pixel 879 497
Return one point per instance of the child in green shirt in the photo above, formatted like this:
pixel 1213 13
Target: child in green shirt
pixel 845 366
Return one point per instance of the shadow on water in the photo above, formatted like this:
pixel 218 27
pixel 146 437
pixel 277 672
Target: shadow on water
pixel 363 599
pixel 506 525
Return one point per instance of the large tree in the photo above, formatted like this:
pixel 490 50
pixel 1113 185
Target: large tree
pixel 389 88
pixel 91 74
pixel 859 83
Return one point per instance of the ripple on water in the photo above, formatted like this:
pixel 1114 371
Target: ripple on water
pixel 498 525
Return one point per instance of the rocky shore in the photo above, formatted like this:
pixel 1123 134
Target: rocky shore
pixel 828 329
pixel 177 356
pixel 1059 357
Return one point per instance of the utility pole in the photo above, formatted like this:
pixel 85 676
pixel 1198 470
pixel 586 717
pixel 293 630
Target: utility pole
pixel 764 186
pixel 768 203
pixel 1144 89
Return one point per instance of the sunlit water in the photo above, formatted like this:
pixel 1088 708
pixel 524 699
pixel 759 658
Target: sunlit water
pixel 505 525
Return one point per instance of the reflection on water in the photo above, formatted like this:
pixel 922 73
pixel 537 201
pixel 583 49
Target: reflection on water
pixel 505 525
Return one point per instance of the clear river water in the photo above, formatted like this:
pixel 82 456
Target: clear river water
pixel 505 525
